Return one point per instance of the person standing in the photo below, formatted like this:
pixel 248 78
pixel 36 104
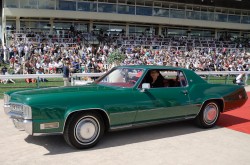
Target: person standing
pixel 5 53
pixel 246 68
pixel 239 79
pixel 66 73
pixel 4 70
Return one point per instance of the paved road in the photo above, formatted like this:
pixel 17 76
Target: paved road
pixel 171 144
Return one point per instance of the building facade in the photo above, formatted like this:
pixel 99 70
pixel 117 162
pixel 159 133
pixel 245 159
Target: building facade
pixel 195 18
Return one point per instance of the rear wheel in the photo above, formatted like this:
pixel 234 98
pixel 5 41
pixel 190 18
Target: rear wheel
pixel 84 130
pixel 208 115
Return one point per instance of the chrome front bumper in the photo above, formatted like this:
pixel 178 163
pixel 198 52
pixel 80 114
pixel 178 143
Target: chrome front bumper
pixel 19 122
pixel 25 125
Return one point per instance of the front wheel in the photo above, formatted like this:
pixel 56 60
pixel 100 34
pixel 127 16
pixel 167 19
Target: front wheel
pixel 84 130
pixel 208 115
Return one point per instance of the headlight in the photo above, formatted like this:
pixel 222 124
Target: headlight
pixel 27 113
pixel 21 110
pixel 6 99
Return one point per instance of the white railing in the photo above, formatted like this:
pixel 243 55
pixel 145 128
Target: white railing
pixel 24 76
pixel 79 75
pixel 221 72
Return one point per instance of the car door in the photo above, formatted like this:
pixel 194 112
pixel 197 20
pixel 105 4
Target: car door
pixel 162 103
pixel 169 102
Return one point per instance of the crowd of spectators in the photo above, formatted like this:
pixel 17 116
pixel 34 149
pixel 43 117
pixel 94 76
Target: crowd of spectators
pixel 43 53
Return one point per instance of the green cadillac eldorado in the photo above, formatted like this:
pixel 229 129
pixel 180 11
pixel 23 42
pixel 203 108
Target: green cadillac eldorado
pixel 124 97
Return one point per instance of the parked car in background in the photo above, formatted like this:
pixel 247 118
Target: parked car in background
pixel 124 97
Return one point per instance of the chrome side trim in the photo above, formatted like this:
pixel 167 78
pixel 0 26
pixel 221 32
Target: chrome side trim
pixel 85 110
pixel 121 127
pixel 115 128
pixel 47 134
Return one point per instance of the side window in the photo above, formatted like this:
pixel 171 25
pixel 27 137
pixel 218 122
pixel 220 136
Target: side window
pixel 182 79
pixel 154 78
pixel 170 78
pixel 173 78
pixel 164 79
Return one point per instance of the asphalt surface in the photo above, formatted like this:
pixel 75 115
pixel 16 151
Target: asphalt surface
pixel 179 143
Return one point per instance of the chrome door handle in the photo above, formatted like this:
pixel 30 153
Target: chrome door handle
pixel 185 92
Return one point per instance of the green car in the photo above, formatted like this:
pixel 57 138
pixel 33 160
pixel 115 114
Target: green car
pixel 125 97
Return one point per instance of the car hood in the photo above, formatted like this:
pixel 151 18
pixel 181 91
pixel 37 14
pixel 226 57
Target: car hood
pixel 27 96
pixel 55 90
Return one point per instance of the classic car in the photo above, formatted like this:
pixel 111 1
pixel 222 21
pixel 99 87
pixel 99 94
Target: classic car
pixel 124 97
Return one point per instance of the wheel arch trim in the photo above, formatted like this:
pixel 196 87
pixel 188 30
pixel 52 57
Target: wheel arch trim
pixel 106 122
pixel 212 99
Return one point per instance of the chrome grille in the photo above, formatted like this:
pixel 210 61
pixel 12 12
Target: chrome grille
pixel 16 109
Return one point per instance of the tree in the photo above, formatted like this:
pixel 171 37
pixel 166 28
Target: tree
pixel 115 58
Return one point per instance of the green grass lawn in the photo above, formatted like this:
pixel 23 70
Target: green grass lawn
pixel 221 80
pixel 21 84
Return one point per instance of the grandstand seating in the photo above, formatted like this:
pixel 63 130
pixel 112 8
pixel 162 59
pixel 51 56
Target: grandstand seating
pixel 68 39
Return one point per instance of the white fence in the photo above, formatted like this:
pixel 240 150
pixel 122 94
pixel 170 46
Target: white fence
pixel 75 76
pixel 24 76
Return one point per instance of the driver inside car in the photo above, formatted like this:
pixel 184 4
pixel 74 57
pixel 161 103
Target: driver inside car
pixel 155 79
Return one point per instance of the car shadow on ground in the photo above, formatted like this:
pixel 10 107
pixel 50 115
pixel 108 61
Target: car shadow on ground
pixel 227 120
pixel 55 144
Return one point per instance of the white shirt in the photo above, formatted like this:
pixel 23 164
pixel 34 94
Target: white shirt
pixel 239 78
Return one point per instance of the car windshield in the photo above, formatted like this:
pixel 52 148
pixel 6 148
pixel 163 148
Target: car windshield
pixel 121 77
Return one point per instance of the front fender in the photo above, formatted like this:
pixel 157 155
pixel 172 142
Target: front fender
pixel 95 108
pixel 71 110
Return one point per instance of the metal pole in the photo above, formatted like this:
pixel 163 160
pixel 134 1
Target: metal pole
pixel 227 78
pixel 37 82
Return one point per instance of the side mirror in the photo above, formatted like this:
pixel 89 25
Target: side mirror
pixel 145 86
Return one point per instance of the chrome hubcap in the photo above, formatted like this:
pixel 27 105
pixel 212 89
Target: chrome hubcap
pixel 87 130
pixel 210 114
